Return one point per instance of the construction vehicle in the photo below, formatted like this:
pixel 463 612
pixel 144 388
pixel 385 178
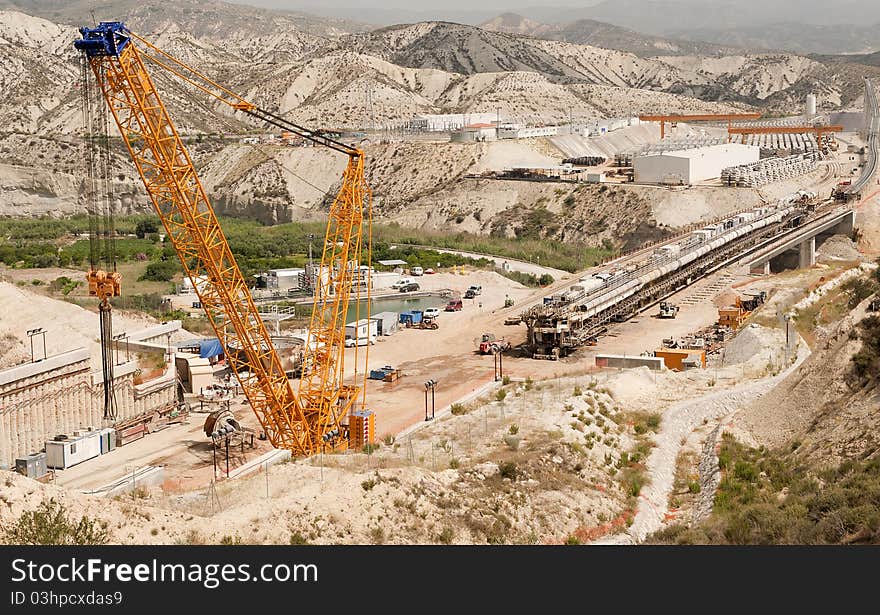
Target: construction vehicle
pixel 734 315
pixel 667 310
pixel 508 301
pixel 312 418
pixel 489 344
pixel 841 191
pixel 427 322
pixel 751 303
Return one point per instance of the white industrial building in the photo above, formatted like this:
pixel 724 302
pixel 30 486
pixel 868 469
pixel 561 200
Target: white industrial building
pixel 285 278
pixel 692 165
pixel 518 131
pixel 450 121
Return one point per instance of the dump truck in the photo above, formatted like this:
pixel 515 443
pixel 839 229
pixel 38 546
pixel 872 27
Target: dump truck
pixel 489 344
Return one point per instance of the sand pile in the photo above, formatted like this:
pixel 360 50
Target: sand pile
pixel 756 346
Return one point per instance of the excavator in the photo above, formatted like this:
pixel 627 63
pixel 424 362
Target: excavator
pixel 312 418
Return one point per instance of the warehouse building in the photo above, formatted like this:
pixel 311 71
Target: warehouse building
pixel 692 165
pixel 474 133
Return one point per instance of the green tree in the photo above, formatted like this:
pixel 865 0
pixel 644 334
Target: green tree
pixel 160 271
pixel 146 227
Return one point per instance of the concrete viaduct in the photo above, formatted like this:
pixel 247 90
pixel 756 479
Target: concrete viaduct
pixel 798 249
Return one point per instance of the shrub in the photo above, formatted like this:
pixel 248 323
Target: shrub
pixel 513 429
pixel 50 524
pixel 368 484
pixel 509 470
pixel 298 539
pixel 458 409
pixel 500 395
pixel 572 540
pixel 447 535
pixel 653 421
pixel 505 380
pixel 694 486
pixel 231 540
pixel 528 384
pixel 577 391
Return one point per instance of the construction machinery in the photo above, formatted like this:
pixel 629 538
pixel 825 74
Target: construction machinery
pixel 312 418
pixel 427 322
pixel 733 316
pixel 667 310
pixel 489 344
pixel 675 118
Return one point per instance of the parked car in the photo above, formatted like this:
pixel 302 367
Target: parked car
pixel 475 289
pixel 417 271
pixel 408 288
pixel 402 282
pixel 454 305
pixel 432 312
pixel 429 271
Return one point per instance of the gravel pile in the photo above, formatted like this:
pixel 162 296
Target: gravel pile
pixel 838 247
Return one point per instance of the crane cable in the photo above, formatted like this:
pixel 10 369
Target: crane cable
pixel 100 209
pixel 228 123
pixel 90 187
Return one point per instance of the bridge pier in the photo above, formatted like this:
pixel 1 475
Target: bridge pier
pixel 807 251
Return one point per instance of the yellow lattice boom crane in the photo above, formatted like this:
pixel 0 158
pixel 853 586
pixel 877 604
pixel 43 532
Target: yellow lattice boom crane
pixel 313 417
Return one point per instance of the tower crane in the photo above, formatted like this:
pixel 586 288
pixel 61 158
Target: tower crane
pixel 700 117
pixel 303 421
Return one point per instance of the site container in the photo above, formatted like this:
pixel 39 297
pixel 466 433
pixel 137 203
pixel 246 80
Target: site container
pixel 67 452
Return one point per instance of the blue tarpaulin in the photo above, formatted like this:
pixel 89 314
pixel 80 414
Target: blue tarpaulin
pixel 210 348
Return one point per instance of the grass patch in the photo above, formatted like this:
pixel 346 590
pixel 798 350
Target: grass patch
pixel 771 498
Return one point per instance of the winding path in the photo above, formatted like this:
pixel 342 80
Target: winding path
pixel 678 422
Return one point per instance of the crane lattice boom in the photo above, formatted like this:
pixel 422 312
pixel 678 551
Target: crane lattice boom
pixel 304 423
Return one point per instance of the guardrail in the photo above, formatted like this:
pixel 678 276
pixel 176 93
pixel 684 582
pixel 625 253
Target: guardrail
pixel 872 121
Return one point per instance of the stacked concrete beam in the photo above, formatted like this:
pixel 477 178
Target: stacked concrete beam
pixel 769 170
pixel 61 394
pixel 770 143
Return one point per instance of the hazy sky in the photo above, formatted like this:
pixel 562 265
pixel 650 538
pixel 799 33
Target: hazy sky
pixel 748 12
pixel 392 11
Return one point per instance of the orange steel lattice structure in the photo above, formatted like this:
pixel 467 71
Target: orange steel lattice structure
pixel 304 423
pixel 729 117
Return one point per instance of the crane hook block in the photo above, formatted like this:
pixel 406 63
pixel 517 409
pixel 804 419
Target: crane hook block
pixel 108 38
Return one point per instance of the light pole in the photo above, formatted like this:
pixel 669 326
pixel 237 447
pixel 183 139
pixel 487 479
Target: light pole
pixel 499 365
pixel 34 332
pixel 787 318
pixel 118 338
pixel 429 385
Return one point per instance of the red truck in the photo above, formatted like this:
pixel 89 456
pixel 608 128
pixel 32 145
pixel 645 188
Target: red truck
pixel 489 344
